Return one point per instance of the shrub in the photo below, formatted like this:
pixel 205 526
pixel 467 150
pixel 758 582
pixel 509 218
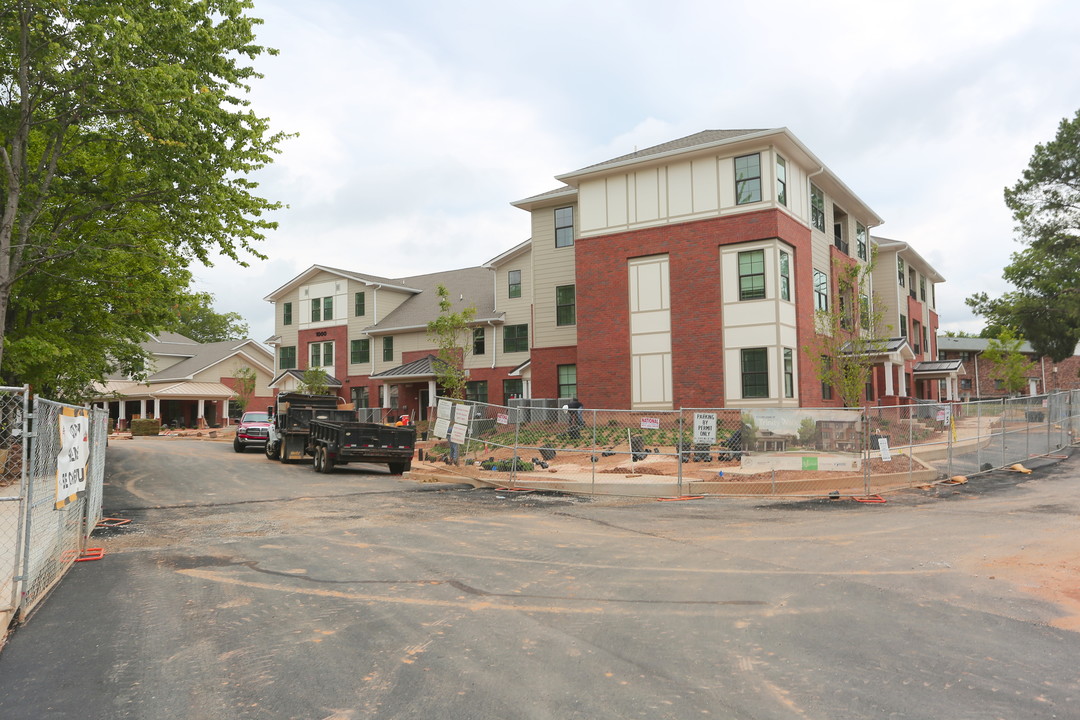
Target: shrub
pixel 145 426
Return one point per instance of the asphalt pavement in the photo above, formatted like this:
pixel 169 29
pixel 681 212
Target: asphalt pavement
pixel 244 588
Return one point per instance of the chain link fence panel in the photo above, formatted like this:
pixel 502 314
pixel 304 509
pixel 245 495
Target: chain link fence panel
pixel 758 451
pixel 57 524
pixel 13 419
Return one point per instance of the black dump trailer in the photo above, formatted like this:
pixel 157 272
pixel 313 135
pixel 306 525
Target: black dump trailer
pixel 290 423
pixel 339 442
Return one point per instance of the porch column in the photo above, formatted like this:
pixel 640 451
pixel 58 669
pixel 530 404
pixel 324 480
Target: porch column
pixel 201 413
pixel 888 378
pixel 142 408
pixel 903 382
pixel 431 393
pixel 384 395
pixel 122 412
pixel 157 408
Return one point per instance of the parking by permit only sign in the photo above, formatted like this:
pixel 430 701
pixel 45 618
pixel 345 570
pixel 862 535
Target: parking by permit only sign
pixel 74 452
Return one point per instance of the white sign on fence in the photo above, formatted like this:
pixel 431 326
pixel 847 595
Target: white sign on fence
pixel 650 423
pixel 461 414
pixel 446 409
pixel 71 462
pixel 502 418
pixel 457 433
pixel 704 428
pixel 441 427
pixel 883 446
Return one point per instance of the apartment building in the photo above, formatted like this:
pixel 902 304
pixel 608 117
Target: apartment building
pixel 979 379
pixel 689 274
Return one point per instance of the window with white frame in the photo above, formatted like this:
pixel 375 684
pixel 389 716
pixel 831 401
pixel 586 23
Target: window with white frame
pixel 755 372
pixel 821 290
pixel 752 275
pixel 321 354
pixel 817 207
pixel 322 309
pixel 781 180
pixel 748 179
pixel 785 276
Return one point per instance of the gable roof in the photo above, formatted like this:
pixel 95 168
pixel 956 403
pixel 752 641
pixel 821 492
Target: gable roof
pixel 468 286
pixel 699 140
pixel 374 280
pixel 207 355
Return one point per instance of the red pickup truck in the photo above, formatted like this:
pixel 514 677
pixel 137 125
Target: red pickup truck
pixel 253 430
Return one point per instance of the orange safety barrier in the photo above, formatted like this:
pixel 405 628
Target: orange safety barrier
pixel 681 497
pixel 112 522
pixel 869 499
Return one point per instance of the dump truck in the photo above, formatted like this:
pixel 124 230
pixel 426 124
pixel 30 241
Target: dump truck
pixel 315 426
pixel 290 423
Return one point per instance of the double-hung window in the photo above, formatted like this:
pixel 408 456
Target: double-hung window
pixel 513 282
pixel 287 357
pixel 752 275
pixel 781 180
pixel 567 381
pixel 860 241
pixel 286 313
pixel 789 373
pixel 748 179
pixel 785 276
pixel 321 354
pixel 515 338
pixel 817 207
pixel 565 305
pixel 755 373
pixel 564 227
pixel 359 304
pixel 360 351
pixel 322 309
pixel 821 290
pixel 479 341
pixel 388 348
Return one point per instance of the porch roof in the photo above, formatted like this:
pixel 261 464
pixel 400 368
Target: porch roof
pixel 421 369
pixel 331 381
pixel 939 368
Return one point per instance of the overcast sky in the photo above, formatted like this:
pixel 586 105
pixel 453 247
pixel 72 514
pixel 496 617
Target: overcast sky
pixel 419 122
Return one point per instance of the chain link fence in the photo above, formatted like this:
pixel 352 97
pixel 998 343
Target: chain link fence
pixel 52 468
pixel 759 451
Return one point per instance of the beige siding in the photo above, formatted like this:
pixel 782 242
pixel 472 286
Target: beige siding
pixel 227 369
pixel 551 267
pixel 685 189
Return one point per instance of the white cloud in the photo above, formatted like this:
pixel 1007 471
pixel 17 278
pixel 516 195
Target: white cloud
pixel 419 123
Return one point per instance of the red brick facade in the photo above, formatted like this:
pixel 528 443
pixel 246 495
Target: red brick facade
pixel 693 249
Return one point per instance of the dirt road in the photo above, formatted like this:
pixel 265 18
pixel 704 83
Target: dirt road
pixel 248 589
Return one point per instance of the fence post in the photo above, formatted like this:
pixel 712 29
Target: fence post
pixel 592 490
pixel 679 450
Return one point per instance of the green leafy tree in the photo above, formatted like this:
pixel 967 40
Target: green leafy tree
pixel 451 333
pixel 1008 364
pixel 849 338
pixel 123 130
pixel 1045 203
pixel 197 319
pixel 245 388
pixel 315 381
pixel 83 319
pixel 958 334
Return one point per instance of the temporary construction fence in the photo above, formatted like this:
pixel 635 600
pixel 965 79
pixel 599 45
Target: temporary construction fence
pixel 52 468
pixel 752 451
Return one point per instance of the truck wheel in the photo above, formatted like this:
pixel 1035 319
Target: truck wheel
pixel 318 462
pixel 397 468
pixel 237 446
pixel 271 451
pixel 327 461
